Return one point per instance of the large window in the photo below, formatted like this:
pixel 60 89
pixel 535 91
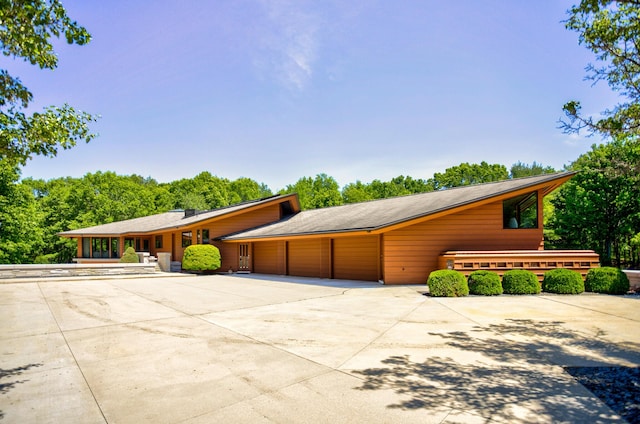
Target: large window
pixel 101 247
pixel 521 211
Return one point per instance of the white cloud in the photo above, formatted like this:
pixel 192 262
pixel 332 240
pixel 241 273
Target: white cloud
pixel 290 40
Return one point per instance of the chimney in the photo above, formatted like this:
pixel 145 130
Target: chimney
pixel 189 212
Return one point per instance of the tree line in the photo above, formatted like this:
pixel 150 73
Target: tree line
pixel 598 209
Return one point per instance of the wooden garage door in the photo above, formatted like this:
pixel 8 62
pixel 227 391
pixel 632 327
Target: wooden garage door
pixel 356 258
pixel 306 258
pixel 268 257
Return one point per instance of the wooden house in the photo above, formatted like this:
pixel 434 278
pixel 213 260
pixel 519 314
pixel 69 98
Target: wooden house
pixel 395 241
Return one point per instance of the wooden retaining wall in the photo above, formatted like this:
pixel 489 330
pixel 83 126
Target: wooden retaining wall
pixel 537 261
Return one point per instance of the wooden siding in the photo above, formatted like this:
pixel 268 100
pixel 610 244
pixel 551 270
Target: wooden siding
pixel 356 258
pixel 411 253
pixel 269 257
pixel 220 227
pixel 250 219
pixel 309 258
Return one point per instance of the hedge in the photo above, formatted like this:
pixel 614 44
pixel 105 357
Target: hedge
pixel 130 256
pixel 520 281
pixel 607 280
pixel 447 283
pixel 485 283
pixel 201 257
pixel 562 281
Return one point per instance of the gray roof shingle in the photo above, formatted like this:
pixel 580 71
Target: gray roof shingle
pixel 162 221
pixel 382 213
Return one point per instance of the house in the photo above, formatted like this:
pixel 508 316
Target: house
pixel 396 241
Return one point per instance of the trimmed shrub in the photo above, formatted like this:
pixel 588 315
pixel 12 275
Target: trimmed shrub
pixel 562 281
pixel 607 280
pixel 447 283
pixel 520 281
pixel 201 257
pixel 130 256
pixel 485 283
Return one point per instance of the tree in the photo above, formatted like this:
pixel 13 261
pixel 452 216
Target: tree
pixel 98 198
pixel 26 28
pixel 519 170
pixel 356 192
pixel 20 219
pixel 611 30
pixel 466 174
pixel 599 208
pixel 244 189
pixel 313 193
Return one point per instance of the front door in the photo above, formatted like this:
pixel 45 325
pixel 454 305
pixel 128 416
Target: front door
pixel 244 263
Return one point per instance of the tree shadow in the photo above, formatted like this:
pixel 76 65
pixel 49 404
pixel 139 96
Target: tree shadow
pixel 5 387
pixel 510 381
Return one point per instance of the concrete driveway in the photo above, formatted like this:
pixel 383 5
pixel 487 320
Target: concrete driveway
pixel 258 349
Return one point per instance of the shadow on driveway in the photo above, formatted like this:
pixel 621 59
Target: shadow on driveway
pixel 516 373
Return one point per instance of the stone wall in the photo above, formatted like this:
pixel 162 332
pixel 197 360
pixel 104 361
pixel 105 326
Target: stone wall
pixel 634 279
pixel 74 270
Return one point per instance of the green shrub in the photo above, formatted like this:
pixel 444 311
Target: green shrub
pixel 201 257
pixel 606 280
pixel 562 281
pixel 447 283
pixel 520 281
pixel 486 283
pixel 130 256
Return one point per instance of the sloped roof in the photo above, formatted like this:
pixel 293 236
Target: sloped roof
pixel 165 221
pixel 378 214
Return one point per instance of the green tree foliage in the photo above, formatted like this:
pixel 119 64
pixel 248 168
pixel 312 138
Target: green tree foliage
pixel 467 174
pixel 398 186
pixel 520 170
pixel 206 191
pixel 611 30
pixel 319 192
pixel 244 189
pixel 599 208
pixel 21 229
pixel 26 28
pixel 99 198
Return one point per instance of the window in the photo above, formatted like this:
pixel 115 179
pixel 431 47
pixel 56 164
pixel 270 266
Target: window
pixel 100 247
pixel 186 238
pixel 145 245
pixel 205 236
pixel 128 242
pixel 158 242
pixel 86 247
pixel 115 248
pixel 521 211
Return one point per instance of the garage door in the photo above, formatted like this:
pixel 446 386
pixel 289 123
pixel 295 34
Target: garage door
pixel 268 257
pixel 356 258
pixel 306 258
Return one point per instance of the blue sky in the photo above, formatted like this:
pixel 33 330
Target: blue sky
pixel 278 90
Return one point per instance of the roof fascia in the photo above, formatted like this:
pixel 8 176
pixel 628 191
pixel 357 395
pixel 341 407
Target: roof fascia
pixel 305 236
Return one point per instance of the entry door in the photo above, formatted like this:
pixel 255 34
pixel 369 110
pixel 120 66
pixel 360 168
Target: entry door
pixel 244 263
